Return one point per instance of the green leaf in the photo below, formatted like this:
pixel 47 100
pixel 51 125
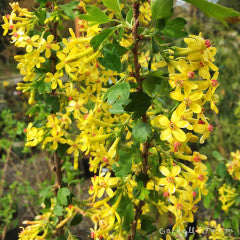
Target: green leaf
pixel 154 83
pixel 58 210
pixel 207 201
pixel 221 170
pixel 68 9
pixel 112 4
pixel 46 192
pixel 235 223
pixel 141 132
pixel 76 220
pixel 94 15
pixel 120 49
pixel 140 102
pixel 117 91
pixel 129 17
pixel 222 14
pixel 217 155
pixel 53 104
pixel 117 108
pixel 62 196
pixel 227 223
pixel 147 224
pixel 173 29
pixel 123 167
pixel 161 8
pixel 126 212
pixel 144 193
pixel 111 59
pixel 43 86
pixel 97 40
pixel 41 15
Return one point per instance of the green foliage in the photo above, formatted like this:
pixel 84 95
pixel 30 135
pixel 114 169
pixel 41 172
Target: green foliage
pixel 141 132
pixel 94 15
pixel 139 104
pixel 97 40
pixel 112 4
pixel 111 59
pixel 161 8
pixel 155 83
pixel 219 12
pixel 123 167
pixel 68 9
pixel 62 195
pixel 118 91
pixel 126 211
pixel 174 28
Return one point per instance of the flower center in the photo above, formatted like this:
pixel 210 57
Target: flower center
pixel 187 101
pixel 201 177
pixel 208 43
pixel 210 128
pixel 166 194
pixel 179 206
pixel 172 125
pixel 16 35
pixel 176 146
pixel 179 82
pixel 200 122
pixel 214 82
pixel 105 159
pixel 48 45
pixel 170 179
pixel 191 75
pixel 197 159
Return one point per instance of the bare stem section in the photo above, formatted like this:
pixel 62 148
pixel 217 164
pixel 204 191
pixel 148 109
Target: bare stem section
pixel 146 145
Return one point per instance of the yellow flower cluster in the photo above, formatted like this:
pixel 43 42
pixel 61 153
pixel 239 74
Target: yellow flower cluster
pixel 83 120
pixel 233 167
pixel 213 230
pixel 227 196
pixel 40 228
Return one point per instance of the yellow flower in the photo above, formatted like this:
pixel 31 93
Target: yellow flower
pixel 170 180
pixel 172 128
pixel 75 146
pixel 203 128
pixel 56 137
pixel 188 99
pixel 48 45
pixel 102 183
pixel 54 79
pixel 28 42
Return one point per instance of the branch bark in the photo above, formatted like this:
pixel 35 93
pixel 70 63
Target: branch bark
pixel 139 79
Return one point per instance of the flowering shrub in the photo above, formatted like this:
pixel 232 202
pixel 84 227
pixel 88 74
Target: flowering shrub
pixel 117 92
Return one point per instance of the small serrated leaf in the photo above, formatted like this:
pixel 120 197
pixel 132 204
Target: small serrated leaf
pixel 97 40
pixel 62 195
pixel 94 15
pixel 161 8
pixel 141 132
pixel 139 104
pixel 112 4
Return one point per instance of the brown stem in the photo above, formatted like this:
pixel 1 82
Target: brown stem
pixel 58 184
pixel 139 80
pixel 136 217
pixel 57 163
pixel 137 65
pixel 58 172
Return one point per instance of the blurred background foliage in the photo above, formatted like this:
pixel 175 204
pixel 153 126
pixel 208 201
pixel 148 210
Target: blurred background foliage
pixel 223 141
